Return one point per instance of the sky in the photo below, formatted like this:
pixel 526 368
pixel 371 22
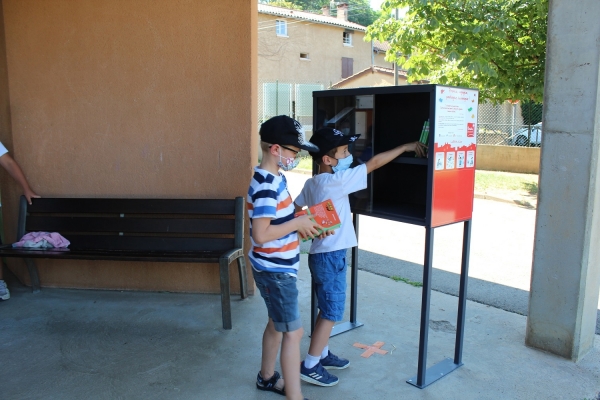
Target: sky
pixel 375 4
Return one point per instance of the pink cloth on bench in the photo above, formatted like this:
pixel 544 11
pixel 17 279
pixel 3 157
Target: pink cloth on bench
pixel 42 240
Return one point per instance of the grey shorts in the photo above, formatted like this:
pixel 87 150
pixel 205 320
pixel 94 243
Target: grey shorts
pixel 281 298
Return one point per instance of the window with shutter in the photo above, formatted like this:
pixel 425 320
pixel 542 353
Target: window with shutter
pixel 281 28
pixel 347 39
pixel 347 67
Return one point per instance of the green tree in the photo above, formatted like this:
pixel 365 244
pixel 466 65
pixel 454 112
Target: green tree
pixel 497 46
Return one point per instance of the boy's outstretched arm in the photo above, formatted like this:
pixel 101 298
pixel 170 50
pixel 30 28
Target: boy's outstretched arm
pixel 10 165
pixel 381 159
pixel 263 231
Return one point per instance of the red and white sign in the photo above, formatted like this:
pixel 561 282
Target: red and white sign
pixel 454 146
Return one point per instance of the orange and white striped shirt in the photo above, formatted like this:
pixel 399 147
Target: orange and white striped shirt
pixel 268 197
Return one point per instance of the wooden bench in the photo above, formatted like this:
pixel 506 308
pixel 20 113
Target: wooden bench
pixel 189 231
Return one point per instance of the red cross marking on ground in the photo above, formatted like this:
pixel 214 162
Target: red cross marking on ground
pixel 374 348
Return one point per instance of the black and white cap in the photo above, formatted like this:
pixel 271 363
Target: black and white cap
pixel 285 130
pixel 327 139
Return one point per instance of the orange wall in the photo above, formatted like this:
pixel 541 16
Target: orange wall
pixel 130 98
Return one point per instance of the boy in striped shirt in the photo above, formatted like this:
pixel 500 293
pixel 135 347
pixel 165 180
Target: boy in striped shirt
pixel 275 254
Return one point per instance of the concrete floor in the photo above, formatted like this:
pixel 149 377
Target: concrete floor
pixel 83 344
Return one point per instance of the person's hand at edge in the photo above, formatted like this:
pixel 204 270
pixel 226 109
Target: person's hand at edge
pixel 29 194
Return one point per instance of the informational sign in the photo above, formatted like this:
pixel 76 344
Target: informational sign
pixel 455 136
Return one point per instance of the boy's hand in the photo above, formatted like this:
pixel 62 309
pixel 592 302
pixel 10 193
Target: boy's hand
pixel 307 228
pixel 417 147
pixel 325 234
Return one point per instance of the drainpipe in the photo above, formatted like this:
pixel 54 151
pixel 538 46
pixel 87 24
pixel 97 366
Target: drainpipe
pixel 372 55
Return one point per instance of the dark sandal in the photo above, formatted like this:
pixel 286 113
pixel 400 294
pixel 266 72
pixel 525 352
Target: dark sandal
pixel 270 384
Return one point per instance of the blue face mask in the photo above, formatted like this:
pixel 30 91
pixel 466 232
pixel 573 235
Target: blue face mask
pixel 343 164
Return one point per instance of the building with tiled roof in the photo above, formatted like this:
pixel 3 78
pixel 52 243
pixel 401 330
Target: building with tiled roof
pixel 325 18
pixel 300 51
pixel 372 76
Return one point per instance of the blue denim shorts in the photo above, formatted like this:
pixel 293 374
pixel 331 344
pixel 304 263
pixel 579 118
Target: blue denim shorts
pixel 281 298
pixel 329 275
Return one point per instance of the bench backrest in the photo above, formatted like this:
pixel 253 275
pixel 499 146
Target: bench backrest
pixel 161 225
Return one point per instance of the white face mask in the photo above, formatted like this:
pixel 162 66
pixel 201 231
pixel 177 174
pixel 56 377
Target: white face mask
pixel 287 164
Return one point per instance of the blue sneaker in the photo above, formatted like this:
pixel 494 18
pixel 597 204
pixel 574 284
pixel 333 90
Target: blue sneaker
pixel 334 362
pixel 317 375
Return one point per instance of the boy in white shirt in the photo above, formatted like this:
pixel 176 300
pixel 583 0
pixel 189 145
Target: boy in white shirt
pixel 327 257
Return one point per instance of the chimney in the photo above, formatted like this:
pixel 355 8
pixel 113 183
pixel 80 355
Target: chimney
pixel 325 11
pixel 342 11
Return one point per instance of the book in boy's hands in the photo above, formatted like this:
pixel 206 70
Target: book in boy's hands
pixel 323 214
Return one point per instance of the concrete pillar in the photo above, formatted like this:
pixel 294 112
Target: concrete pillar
pixel 566 261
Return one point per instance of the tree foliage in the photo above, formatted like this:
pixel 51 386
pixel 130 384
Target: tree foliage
pixel 497 46
pixel 359 11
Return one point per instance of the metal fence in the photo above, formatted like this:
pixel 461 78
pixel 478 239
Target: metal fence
pixel 505 124
pixel 510 124
pixel 287 98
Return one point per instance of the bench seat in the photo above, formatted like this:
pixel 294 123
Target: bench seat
pixel 152 230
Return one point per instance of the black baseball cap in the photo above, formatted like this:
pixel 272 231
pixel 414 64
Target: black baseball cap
pixel 285 130
pixel 327 139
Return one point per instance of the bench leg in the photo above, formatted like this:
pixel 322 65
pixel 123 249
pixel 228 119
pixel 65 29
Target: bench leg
pixel 33 275
pixel 225 300
pixel 243 283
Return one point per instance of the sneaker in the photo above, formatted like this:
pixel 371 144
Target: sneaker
pixel 334 362
pixel 317 375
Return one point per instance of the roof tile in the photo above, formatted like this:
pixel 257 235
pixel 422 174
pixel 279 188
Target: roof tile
pixel 308 16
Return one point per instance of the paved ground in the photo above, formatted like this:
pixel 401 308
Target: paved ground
pixel 501 252
pixel 85 344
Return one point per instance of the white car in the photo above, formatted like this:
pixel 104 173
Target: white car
pixel 523 138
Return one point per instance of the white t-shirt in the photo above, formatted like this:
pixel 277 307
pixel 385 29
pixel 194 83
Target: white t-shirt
pixel 3 150
pixel 337 187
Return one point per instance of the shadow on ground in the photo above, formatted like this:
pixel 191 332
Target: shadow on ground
pixel 489 293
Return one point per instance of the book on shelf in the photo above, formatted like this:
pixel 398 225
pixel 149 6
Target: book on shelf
pixel 324 214
pixel 424 134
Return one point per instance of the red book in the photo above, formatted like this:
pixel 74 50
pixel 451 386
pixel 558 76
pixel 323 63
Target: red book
pixel 323 214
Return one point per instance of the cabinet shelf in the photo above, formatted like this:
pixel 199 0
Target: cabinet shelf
pixel 410 160
pixel 401 212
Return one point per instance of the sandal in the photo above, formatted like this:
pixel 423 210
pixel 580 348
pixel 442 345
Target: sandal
pixel 269 385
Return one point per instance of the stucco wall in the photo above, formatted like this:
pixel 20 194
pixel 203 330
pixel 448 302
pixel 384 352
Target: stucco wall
pixel 279 57
pixel 508 158
pixel 130 98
